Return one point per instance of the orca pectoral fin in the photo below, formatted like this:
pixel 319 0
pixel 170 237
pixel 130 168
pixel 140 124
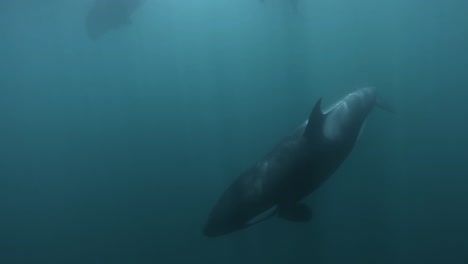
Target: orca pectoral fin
pixel 262 218
pixel 382 104
pixel 298 212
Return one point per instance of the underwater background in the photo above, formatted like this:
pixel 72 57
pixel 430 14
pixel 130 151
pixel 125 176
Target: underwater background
pixel 114 150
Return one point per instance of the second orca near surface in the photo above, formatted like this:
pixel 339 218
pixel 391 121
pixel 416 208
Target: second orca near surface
pixel 107 15
pixel 297 166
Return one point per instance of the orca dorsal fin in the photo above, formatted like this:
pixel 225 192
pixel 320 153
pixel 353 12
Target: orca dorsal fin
pixel 315 123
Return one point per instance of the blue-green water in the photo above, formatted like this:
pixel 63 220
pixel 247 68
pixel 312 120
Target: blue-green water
pixel 114 150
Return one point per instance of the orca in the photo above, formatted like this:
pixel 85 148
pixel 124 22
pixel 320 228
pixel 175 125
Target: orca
pixel 280 181
pixel 106 15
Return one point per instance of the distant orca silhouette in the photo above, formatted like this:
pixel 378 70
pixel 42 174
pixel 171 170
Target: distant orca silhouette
pixel 298 165
pixel 106 15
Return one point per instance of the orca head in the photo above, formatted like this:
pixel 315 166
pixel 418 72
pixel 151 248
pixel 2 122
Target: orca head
pixel 226 217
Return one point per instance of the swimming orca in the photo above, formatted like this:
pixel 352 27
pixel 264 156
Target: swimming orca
pixel 106 15
pixel 295 167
